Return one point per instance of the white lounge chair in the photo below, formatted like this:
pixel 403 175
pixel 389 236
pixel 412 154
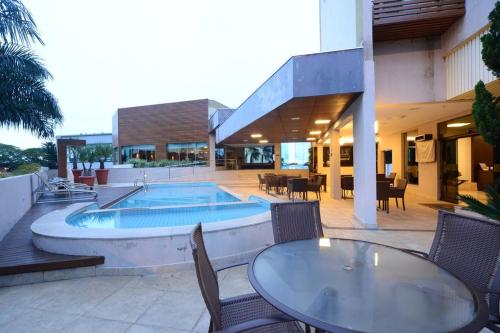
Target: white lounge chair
pixel 58 187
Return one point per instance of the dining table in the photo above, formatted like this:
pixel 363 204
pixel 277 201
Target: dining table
pixel 341 285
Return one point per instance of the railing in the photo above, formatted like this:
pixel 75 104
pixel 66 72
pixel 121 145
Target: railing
pixel 396 11
pixel 144 177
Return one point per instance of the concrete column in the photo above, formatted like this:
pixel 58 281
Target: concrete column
pixel 211 150
pixel 335 190
pixel 277 156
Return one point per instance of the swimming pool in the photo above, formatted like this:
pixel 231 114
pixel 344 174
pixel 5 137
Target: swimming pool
pixel 164 217
pixel 176 194
pixel 150 229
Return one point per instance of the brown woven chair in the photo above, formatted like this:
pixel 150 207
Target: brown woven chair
pixel 248 313
pixel 346 184
pixel 296 221
pixel 469 247
pixel 272 182
pixel 315 186
pixel 297 185
pixel 392 177
pixel 283 184
pixel 399 191
pixel 383 194
pixel 262 182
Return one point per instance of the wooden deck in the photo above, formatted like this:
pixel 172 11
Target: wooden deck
pixel 18 255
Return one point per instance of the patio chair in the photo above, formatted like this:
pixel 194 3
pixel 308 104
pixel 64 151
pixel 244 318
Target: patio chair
pixel 383 194
pixel 272 181
pixel 392 177
pixel 283 184
pixel 296 221
pixel 399 191
pixel 315 186
pixel 64 188
pixel 346 184
pixel 297 185
pixel 249 312
pixel 469 248
pixel 262 182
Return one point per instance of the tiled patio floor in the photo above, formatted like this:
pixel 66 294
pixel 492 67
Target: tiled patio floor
pixel 172 302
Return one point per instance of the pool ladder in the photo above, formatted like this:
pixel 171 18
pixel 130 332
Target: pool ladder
pixel 143 180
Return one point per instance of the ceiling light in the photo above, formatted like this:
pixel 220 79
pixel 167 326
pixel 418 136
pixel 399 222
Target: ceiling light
pixel 457 124
pixel 256 135
pixel 375 126
pixel 410 138
pixel 311 139
pixel 327 142
pixel 315 132
pixel 295 118
pixel 345 139
pixel 263 141
pixel 322 122
pixel 295 130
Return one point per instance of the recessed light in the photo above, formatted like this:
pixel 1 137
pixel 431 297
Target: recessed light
pixel 263 141
pixel 315 132
pixel 295 118
pixel 322 122
pixel 255 136
pixel 457 124
pixel 311 139
pixel 295 131
pixel 245 140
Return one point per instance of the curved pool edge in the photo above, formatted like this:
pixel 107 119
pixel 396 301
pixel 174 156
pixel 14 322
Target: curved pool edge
pixel 143 250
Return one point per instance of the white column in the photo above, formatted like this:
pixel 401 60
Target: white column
pixel 277 156
pixel 335 189
pixel 319 158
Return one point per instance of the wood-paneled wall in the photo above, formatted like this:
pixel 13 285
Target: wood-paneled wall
pixel 161 124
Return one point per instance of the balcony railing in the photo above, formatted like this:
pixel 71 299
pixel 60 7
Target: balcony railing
pixel 400 19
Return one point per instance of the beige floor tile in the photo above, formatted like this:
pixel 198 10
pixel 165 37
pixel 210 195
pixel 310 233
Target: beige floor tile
pixel 95 325
pixel 137 328
pixel 38 321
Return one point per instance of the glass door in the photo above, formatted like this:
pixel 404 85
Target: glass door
pixel 449 171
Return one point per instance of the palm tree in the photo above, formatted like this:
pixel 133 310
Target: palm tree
pixel 24 99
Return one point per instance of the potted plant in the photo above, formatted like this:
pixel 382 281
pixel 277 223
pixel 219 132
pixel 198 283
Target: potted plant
pixel 87 155
pixel 76 172
pixel 102 152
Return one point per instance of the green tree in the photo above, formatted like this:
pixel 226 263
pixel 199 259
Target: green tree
pixel 24 99
pixel 49 155
pixel 87 154
pixel 491 42
pixel 33 155
pixel 10 156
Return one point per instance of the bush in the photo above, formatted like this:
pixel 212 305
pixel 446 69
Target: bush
pixel 26 169
pixel 138 163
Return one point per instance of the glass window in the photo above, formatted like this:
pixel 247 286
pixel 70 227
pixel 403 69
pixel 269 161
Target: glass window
pixel 295 155
pixel 143 152
pixel 192 152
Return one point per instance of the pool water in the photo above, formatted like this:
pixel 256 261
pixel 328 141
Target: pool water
pixel 176 194
pixel 164 217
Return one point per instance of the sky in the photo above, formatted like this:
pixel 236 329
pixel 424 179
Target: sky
pixel 119 53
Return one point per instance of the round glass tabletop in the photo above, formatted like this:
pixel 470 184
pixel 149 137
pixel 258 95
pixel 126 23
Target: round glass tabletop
pixel 336 284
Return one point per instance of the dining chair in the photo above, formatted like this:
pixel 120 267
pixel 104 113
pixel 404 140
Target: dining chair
pixel 315 186
pixel 392 177
pixel 262 182
pixel 298 185
pixel 346 184
pixel 244 313
pixel 398 191
pixel 296 221
pixel 272 181
pixel 383 194
pixel 469 247
pixel 283 184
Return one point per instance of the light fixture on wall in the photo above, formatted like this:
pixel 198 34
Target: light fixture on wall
pixel 315 132
pixel 311 139
pixel 454 125
pixel 375 126
pixel 256 135
pixel 322 121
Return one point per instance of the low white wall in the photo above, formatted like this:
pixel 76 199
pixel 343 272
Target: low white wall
pixel 16 198
pixel 129 175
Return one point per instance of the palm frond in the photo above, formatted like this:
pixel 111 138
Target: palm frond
pixel 16 24
pixel 490 210
pixel 18 58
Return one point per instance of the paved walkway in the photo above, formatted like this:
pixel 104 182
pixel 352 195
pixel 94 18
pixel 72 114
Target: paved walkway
pixel 172 302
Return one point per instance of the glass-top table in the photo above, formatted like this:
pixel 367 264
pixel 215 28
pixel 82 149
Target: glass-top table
pixel 354 286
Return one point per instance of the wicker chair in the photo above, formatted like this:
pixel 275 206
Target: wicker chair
pixel 248 313
pixel 296 221
pixel 298 185
pixel 315 186
pixel 383 194
pixel 392 177
pixel 346 184
pixel 262 182
pixel 399 191
pixel 283 184
pixel 469 248
pixel 272 181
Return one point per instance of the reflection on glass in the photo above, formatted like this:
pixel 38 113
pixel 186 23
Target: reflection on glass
pixel 188 152
pixel 295 155
pixel 143 152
